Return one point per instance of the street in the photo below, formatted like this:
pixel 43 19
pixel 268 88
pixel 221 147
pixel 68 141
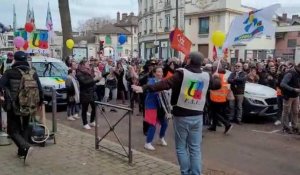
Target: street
pixel 257 149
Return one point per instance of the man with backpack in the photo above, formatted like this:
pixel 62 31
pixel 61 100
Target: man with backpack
pixel 23 96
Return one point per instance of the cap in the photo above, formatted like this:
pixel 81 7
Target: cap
pixel 20 56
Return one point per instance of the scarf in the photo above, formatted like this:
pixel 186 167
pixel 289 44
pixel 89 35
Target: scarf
pixel 83 69
pixel 76 87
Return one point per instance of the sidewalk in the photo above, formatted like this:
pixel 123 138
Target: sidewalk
pixel 74 154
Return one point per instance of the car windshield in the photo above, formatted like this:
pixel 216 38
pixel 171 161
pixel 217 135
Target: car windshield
pixel 50 69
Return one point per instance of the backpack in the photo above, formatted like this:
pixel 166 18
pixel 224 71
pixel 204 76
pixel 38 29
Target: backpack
pixel 28 94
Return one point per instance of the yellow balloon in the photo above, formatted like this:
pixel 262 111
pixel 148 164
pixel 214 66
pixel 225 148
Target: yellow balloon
pixel 70 43
pixel 218 38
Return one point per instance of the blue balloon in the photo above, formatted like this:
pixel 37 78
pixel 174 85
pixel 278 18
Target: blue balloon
pixel 122 39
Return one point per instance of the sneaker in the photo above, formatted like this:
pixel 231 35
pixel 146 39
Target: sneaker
pixel 88 114
pixel 27 156
pixel 87 127
pixel 70 118
pixel 149 146
pixel 93 124
pixel 278 122
pixel 163 142
pixel 227 129
pixel 76 116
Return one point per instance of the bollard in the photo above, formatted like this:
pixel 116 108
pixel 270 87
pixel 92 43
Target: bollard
pixel 54 110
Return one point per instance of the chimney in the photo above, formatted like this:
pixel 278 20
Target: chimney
pixel 124 16
pixel 118 17
pixel 284 17
pixel 131 14
pixel 294 17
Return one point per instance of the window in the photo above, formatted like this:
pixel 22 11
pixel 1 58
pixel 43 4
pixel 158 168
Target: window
pixel 50 69
pixel 203 25
pixel 146 26
pixel 151 24
pixel 167 24
pixel 160 23
pixel 292 43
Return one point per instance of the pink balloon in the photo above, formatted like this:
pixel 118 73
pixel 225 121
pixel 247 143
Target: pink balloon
pixel 19 42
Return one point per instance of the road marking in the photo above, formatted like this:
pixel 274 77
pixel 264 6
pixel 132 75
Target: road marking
pixel 267 132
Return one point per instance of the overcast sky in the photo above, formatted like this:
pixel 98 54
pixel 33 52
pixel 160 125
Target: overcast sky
pixel 85 9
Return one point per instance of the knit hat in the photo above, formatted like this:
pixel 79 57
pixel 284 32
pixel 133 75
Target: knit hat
pixel 196 58
pixel 20 56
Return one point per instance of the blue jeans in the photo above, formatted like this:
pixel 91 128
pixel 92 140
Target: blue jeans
pixel 188 138
pixel 151 130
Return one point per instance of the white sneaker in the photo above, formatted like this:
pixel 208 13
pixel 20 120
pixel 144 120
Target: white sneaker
pixel 93 124
pixel 149 146
pixel 70 118
pixel 76 116
pixel 88 114
pixel 87 127
pixel 290 124
pixel 278 122
pixel 163 142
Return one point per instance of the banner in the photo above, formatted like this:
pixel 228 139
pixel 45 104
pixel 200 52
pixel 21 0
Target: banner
pixel 35 42
pixel 250 25
pixel 180 42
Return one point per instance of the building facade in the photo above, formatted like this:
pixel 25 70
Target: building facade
pixel 7 42
pixel 287 37
pixel 156 19
pixel 203 17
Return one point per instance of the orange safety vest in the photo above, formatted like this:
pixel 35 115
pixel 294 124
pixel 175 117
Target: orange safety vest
pixel 220 95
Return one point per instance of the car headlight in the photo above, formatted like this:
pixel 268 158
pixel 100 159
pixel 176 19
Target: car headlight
pixel 256 102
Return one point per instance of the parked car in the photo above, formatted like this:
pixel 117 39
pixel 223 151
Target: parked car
pixel 52 73
pixel 259 100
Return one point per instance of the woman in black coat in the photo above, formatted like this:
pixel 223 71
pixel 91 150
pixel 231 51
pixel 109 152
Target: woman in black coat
pixel 87 82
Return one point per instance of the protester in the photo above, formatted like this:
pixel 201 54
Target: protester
pixel 17 124
pixel 154 112
pixel 87 82
pixel 281 72
pixel 72 86
pixel 122 82
pixel 111 85
pixel 237 80
pixel 252 76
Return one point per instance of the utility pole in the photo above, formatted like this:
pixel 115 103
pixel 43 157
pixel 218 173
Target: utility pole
pixel 176 23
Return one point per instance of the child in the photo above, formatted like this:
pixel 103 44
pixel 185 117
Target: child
pixel 72 95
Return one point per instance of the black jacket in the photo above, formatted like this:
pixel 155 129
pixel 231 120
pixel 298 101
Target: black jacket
pixel 174 83
pixel 11 79
pixel 237 82
pixel 87 86
pixel 290 82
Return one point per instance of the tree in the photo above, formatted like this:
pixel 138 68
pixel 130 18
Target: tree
pixel 66 25
pixel 94 24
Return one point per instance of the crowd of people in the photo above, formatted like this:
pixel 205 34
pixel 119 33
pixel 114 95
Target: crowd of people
pixel 183 90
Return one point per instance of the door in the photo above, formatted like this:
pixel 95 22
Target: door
pixel 203 48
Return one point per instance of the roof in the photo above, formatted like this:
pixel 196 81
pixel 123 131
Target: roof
pixel 112 29
pixel 128 21
pixel 88 38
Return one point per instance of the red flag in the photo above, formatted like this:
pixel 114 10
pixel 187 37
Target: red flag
pixel 215 53
pixel 180 42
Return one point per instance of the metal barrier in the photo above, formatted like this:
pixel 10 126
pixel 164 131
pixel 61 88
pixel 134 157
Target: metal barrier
pixel 100 106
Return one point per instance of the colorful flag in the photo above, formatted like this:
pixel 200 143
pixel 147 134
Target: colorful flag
pixel 250 25
pixel 28 15
pixel 32 19
pixel 215 53
pixel 49 23
pixel 14 19
pixel 180 42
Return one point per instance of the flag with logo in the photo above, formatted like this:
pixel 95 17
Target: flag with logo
pixel 28 15
pixel 251 25
pixel 180 42
pixel 14 18
pixel 49 22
